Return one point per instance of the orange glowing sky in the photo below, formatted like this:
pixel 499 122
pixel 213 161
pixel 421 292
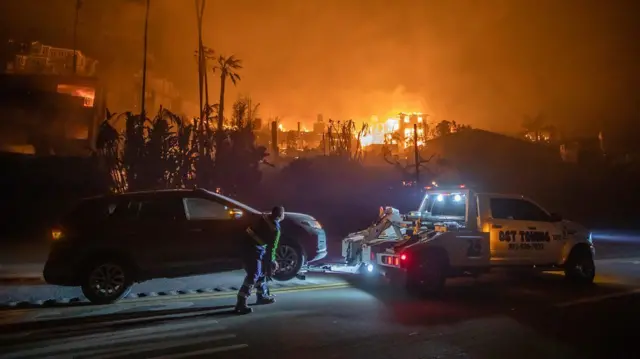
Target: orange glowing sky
pixel 486 63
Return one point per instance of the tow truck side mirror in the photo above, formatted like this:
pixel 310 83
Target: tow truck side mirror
pixel 555 217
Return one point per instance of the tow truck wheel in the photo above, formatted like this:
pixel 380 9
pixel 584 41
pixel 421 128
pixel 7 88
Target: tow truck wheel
pixel 428 276
pixel 580 267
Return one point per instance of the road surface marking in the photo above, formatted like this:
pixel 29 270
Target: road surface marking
pixel 98 322
pixel 139 349
pixel 122 346
pixel 228 294
pixel 598 298
pixel 124 336
pixel 80 328
pixel 203 352
pixel 204 296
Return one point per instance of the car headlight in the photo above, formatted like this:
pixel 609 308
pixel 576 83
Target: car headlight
pixel 590 238
pixel 312 224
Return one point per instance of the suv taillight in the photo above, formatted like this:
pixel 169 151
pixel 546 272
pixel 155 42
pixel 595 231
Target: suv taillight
pixel 57 234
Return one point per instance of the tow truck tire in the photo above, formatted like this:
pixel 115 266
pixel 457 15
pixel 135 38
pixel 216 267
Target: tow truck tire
pixel 428 276
pixel 580 267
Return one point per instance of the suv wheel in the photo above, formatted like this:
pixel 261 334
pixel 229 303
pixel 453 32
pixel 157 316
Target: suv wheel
pixel 580 267
pixel 290 258
pixel 107 281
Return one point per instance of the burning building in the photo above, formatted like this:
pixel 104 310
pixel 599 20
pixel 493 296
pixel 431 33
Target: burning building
pixel 49 114
pixel 398 131
pixel 38 58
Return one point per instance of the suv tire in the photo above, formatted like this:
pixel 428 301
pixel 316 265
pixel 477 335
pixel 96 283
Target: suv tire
pixel 290 258
pixel 107 280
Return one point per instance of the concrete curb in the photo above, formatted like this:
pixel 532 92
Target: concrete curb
pixel 202 293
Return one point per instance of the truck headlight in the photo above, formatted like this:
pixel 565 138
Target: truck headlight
pixel 312 224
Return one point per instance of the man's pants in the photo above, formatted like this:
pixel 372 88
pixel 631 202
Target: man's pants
pixel 253 265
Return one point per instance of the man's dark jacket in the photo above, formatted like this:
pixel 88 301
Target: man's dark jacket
pixel 265 232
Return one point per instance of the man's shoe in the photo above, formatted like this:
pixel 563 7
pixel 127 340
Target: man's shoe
pixel 265 299
pixel 243 310
pixel 242 307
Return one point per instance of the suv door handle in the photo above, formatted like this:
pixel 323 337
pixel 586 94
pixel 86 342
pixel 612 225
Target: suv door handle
pixel 497 226
pixel 195 230
pixel 532 228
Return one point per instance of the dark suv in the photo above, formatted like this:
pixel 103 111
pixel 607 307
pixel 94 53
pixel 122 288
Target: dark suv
pixel 108 243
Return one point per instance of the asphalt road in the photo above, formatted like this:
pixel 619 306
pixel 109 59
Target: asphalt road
pixel 497 316
pixel 30 259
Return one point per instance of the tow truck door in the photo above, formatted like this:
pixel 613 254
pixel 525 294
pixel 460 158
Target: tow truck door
pixel 497 228
pixel 521 232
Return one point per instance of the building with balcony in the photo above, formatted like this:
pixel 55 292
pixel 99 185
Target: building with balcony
pixel 38 58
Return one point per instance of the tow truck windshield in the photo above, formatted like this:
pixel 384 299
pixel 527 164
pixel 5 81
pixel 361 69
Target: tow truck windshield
pixel 444 205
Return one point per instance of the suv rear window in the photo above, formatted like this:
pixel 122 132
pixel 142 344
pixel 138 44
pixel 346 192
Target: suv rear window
pixel 161 209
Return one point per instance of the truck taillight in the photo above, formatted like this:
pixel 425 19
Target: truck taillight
pixel 403 257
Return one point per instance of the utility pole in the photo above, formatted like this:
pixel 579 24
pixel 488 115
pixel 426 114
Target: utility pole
pixel 144 61
pixel 75 36
pixel 324 145
pixel 416 153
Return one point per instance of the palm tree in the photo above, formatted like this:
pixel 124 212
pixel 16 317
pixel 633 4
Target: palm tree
pixel 227 67
pixel 144 61
pixel 200 5
pixel 208 55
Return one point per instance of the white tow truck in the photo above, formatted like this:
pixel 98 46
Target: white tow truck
pixel 460 232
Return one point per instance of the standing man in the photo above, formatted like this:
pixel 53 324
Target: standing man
pixel 261 241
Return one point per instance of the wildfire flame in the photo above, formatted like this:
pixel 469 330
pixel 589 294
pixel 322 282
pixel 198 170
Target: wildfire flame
pixel 87 93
